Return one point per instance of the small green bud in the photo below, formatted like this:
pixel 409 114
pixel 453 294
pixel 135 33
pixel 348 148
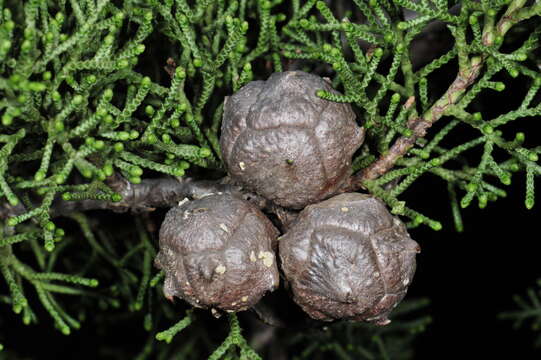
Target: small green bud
pixel 123 135
pixel 49 226
pixel 87 173
pixel 108 94
pixel 471 187
pixel 63 37
pixel 487 129
pixel 402 25
pixel 240 48
pixel 521 57
pixel 425 155
pixel 388 37
pixel 15 79
pixel 327 48
pixel 151 139
pixel 244 26
pixel 59 232
pixel 108 119
pixel 118 147
pixel 123 64
pixel 499 86
pixel 175 123
pixel 498 40
pixel 477 116
pixel 533 157
pixel 436 162
pixel 49 37
pixel 39 176
pixel 436 225
pixel 378 52
pixel 101 112
pixel 11 221
pixel 116 197
pixel 335 52
pixel 46 76
pixel 400 47
pixel 59 126
pixel 166 138
pixel 119 16
pixel 149 16
pixel 134 179
pixel 100 175
pixel 146 81
pixel 91 79
pixel 482 201
pixel 347 26
pixel 108 169
pixel 9 25
pixel 280 17
pixel 178 172
pixel 197 62
pixel 520 137
pixel 26 45
pixel 473 20
pixel 320 93
pixel 36 86
pixel 149 110
pixel 204 152
pixel 513 72
pixel 77 99
pixel 136 171
pixel 109 39
pixel 537 81
pixel 180 72
pixel 491 12
pixel 134 134
pixel 28 33
pixel 56 96
pixel 140 49
pixel 7 119
pixel 21 99
pixel 99 144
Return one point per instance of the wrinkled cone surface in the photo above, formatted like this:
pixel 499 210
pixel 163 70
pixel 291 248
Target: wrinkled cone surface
pixel 348 258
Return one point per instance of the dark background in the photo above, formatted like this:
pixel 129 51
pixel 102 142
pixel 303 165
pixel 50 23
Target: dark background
pixel 471 277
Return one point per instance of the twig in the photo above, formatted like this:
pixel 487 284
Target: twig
pixel 156 193
pixel 419 126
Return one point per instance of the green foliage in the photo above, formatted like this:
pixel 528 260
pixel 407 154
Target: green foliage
pixel 84 96
pixel 347 341
pixel 528 312
pixel 478 49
